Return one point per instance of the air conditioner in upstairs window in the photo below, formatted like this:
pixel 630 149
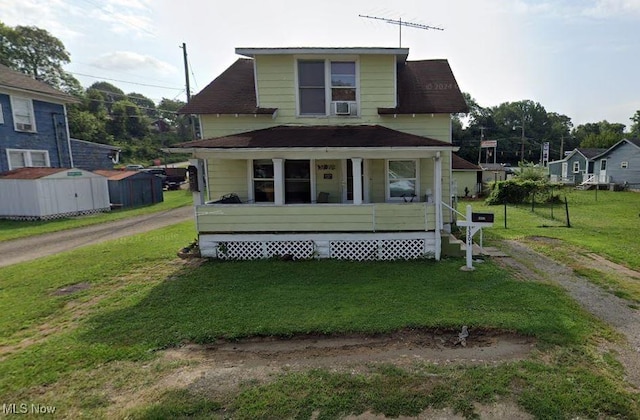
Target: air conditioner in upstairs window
pixel 344 108
pixel 24 127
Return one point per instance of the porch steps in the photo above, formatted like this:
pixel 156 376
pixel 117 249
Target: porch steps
pixel 452 246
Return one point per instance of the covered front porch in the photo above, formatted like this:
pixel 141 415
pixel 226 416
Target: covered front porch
pixel 322 192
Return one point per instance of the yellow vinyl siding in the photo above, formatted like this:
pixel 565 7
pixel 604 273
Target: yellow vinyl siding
pixel 377 171
pixel 315 218
pixel 225 125
pixel 227 176
pixel 333 186
pixel 276 83
pixel 377 86
pixel 437 127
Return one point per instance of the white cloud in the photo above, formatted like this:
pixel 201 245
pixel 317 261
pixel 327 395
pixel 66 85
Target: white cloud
pixel 613 8
pixel 128 60
pixel 47 14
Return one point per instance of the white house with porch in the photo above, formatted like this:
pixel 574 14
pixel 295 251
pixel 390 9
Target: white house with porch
pixel 325 152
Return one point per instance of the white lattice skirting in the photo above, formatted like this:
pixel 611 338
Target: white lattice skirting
pixel 58 215
pixel 356 247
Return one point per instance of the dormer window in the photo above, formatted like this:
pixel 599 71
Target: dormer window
pixel 327 87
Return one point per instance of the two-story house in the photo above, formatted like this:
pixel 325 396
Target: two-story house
pixel 332 152
pixel 33 123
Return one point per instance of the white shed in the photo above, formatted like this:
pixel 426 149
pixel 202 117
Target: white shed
pixel 51 193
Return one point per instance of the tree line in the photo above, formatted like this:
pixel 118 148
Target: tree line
pixel 141 128
pixel 105 114
pixel 521 128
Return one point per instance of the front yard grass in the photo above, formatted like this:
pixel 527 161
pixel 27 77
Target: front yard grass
pixel 87 352
pixel 606 224
pixel 12 229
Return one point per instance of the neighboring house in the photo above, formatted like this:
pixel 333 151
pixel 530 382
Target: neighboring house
pixel 33 123
pixel 91 156
pixel 467 177
pixel 492 172
pixel 133 188
pixel 575 168
pixel 333 152
pixel 619 164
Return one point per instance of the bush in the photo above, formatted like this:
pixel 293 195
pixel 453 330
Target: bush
pixel 515 191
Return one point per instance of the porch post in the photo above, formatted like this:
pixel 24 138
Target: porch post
pixel 437 199
pixel 278 181
pixel 356 164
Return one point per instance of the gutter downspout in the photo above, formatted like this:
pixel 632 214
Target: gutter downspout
pixel 66 124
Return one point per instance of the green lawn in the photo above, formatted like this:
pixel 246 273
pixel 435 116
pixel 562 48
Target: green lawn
pixel 82 351
pixel 607 223
pixel 10 229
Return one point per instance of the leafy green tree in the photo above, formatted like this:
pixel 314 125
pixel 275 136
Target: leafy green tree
pixel 85 125
pixel 34 51
pixel 146 105
pixel 106 93
pixel 602 134
pixel 635 127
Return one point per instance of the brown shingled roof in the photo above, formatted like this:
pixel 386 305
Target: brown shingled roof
pixel 424 87
pixel 30 173
pixel 427 87
pixel 15 80
pixel 463 165
pixel 233 92
pixel 114 174
pixel 318 136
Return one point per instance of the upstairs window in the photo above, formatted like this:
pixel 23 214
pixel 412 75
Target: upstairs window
pixel 311 90
pixel 327 88
pixel 23 116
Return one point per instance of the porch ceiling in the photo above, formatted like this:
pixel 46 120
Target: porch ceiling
pixel 322 141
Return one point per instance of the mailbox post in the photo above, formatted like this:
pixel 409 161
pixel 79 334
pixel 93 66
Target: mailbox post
pixel 474 222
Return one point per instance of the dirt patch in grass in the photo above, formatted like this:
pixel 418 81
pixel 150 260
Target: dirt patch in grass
pixel 224 365
pixel 68 290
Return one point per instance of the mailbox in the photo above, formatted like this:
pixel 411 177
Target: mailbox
pixel 482 217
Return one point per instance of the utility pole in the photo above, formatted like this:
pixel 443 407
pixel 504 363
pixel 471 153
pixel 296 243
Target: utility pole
pixel 186 77
pixel 401 23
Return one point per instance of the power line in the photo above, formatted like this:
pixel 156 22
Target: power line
pixel 124 81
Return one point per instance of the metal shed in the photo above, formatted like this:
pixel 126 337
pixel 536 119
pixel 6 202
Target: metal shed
pixel 51 193
pixel 133 188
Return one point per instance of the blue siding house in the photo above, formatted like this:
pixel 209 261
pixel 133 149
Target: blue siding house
pixel 620 164
pixel 33 123
pixel 577 167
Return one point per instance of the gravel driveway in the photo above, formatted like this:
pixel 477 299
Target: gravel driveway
pixel 20 250
pixel 609 308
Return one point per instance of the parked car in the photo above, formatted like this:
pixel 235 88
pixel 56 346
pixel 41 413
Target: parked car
pixel 172 178
pixel 133 167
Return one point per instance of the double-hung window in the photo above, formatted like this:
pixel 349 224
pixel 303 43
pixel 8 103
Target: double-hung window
pixel 327 87
pixel 402 180
pixel 576 167
pixel 263 180
pixel 23 116
pixel 19 158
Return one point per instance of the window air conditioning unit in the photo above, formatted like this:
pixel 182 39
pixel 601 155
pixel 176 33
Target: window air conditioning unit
pixel 24 127
pixel 343 108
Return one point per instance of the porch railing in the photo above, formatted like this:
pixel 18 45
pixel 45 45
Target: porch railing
pixel 377 217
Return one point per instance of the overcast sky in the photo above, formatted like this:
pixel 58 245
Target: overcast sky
pixel 576 57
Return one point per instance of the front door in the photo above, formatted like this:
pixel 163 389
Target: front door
pixel 297 181
pixel 603 171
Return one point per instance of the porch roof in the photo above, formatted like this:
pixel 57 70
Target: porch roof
pixel 313 137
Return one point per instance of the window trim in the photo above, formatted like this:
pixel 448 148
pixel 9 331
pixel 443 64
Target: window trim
pixel 328 103
pixel 1 115
pixel 27 158
pixel 253 179
pixel 576 167
pixel 387 188
pixel 32 114
pixel 624 164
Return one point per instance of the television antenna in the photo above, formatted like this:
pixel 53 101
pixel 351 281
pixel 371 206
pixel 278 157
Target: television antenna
pixel 402 23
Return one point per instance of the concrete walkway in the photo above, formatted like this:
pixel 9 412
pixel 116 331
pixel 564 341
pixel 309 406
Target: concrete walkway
pixel 20 250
